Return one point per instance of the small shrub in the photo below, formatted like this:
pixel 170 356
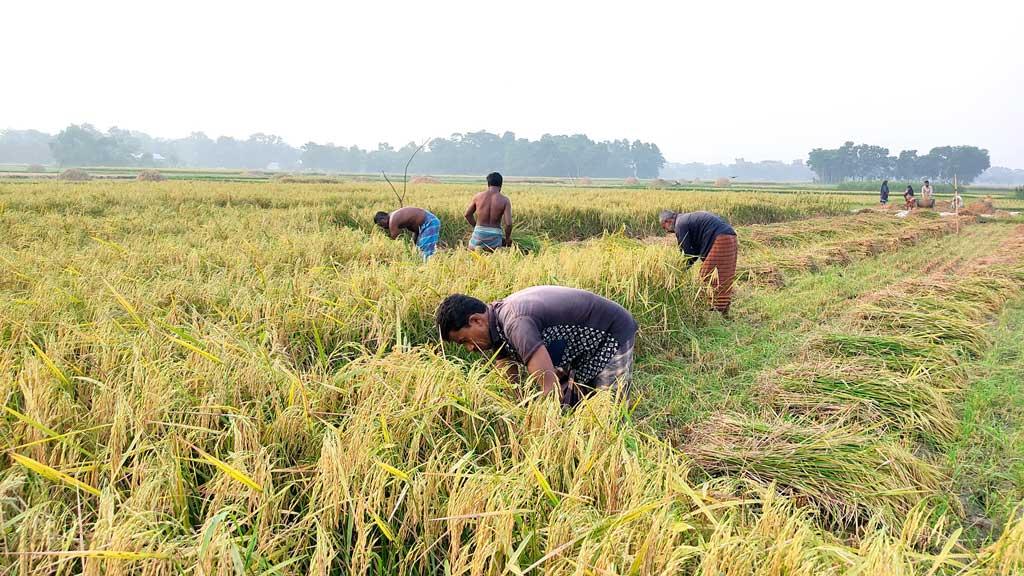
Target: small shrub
pixel 150 176
pixel 723 182
pixel 75 175
pixel 1019 192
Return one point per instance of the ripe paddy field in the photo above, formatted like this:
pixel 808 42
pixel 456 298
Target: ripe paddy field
pixel 218 377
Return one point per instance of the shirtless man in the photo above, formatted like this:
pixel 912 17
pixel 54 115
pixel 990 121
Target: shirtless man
pixel 424 226
pixel 488 211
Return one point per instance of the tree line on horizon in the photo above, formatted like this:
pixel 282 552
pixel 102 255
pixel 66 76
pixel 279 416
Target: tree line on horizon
pixel 482 152
pixel 468 153
pixel 868 162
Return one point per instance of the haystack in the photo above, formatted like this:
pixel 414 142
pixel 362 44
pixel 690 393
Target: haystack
pixel 35 168
pixel 75 175
pixel 584 181
pixel 659 183
pixel 723 182
pixel 983 206
pixel 631 181
pixel 150 176
pixel 424 180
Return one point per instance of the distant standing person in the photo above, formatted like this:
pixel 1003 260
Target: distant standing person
pixel 572 341
pixel 709 237
pixel 883 194
pixel 908 197
pixel 425 227
pixel 927 192
pixel 487 213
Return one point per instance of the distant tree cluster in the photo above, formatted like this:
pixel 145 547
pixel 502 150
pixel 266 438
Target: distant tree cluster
pixel 469 153
pixel 1002 176
pixel 25 147
pixel 481 152
pixel 742 170
pixel 866 162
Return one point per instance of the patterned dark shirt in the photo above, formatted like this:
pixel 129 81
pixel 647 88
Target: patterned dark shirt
pixel 580 330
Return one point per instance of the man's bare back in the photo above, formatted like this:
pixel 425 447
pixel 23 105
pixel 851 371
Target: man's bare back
pixel 409 218
pixel 425 227
pixel 492 209
pixel 488 208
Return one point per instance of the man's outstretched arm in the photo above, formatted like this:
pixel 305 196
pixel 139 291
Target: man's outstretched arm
pixel 541 368
pixel 506 221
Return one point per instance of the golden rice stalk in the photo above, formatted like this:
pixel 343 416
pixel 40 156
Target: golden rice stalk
pixel 32 422
pixel 226 468
pixel 401 475
pixel 50 364
pixel 106 555
pixel 544 485
pixel 52 474
pixel 384 528
pixel 110 244
pixel 125 304
pixel 194 348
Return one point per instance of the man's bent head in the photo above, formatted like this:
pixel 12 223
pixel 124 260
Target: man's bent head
pixel 667 218
pixel 382 219
pixel 463 320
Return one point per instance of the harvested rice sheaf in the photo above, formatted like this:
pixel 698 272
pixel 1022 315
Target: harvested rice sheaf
pixel 847 471
pixel 897 353
pixel 918 404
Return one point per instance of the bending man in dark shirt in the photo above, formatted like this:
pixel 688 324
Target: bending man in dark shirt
pixel 425 227
pixel 710 238
pixel 572 341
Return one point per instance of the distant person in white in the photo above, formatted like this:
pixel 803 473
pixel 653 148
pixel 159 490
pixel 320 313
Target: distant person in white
pixel 926 191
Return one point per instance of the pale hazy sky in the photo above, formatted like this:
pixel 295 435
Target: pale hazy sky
pixel 706 81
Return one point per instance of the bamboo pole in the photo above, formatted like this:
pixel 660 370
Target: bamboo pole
pixel 956 204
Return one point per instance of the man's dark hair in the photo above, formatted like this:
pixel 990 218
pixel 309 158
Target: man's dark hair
pixel 494 179
pixel 381 218
pixel 453 314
